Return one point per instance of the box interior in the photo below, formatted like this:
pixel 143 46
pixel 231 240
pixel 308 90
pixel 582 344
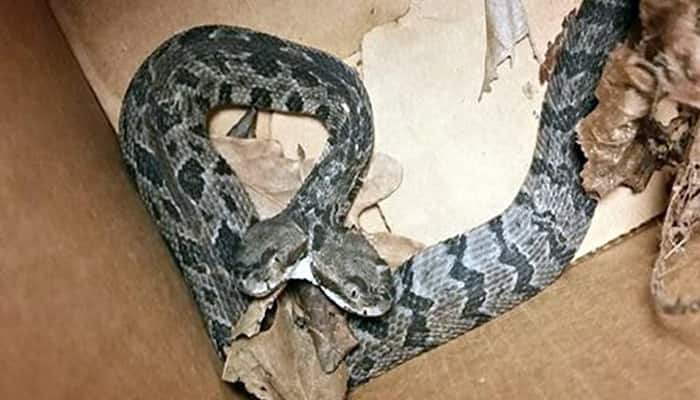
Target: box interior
pixel 93 305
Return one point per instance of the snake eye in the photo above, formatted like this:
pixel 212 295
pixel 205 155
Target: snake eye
pixel 352 290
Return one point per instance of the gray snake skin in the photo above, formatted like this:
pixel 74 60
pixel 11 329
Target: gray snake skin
pixel 205 215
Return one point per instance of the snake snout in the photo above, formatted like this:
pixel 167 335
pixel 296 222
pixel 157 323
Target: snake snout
pixel 266 278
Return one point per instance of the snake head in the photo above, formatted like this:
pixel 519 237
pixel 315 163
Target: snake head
pixel 267 253
pixel 352 274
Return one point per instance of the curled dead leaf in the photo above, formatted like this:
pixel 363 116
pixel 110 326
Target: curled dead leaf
pixel 383 178
pixel 670 29
pixel 647 117
pixel 394 249
pixel 326 324
pixel 680 225
pixel 552 53
pixel 616 154
pixel 270 178
pixel 250 323
pixel 281 363
pixel 648 100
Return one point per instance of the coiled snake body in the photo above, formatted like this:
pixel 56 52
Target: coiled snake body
pixel 204 214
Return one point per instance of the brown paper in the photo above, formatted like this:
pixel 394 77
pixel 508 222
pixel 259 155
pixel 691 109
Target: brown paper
pixel 102 33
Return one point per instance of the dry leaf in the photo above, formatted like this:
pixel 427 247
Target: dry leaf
pixel 550 57
pixel 647 117
pixel 394 249
pixel 281 362
pixel 647 101
pixel 506 25
pixel 250 323
pixel 680 224
pixel 221 121
pixel 383 178
pixel 670 29
pixel 307 164
pixel 270 178
pixel 327 325
pixel 643 119
pixel 616 154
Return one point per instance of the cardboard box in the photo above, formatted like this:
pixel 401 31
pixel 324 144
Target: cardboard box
pixel 92 306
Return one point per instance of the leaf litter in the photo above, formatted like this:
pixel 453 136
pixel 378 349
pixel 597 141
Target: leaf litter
pixel 647 120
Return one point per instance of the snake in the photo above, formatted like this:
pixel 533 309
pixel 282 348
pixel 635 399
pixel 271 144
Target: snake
pixel 228 256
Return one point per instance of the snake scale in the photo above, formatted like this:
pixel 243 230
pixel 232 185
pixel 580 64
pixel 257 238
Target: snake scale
pixel 208 221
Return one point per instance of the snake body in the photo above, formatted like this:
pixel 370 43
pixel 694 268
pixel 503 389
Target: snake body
pixel 447 289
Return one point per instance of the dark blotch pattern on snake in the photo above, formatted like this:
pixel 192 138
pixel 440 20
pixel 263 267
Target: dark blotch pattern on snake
pixel 203 211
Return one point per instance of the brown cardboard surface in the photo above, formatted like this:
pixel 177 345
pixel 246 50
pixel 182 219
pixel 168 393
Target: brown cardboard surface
pixel 111 38
pixel 91 306
pixel 591 335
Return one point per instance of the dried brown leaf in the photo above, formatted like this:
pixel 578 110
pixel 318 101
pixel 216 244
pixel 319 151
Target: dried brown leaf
pixel 671 29
pixel 270 178
pixel 609 136
pixel 680 224
pixel 250 323
pixel 327 325
pixel 394 249
pixel 646 94
pixel 383 178
pixel 281 362
pixel 221 121
pixel 552 53
pixel 647 115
